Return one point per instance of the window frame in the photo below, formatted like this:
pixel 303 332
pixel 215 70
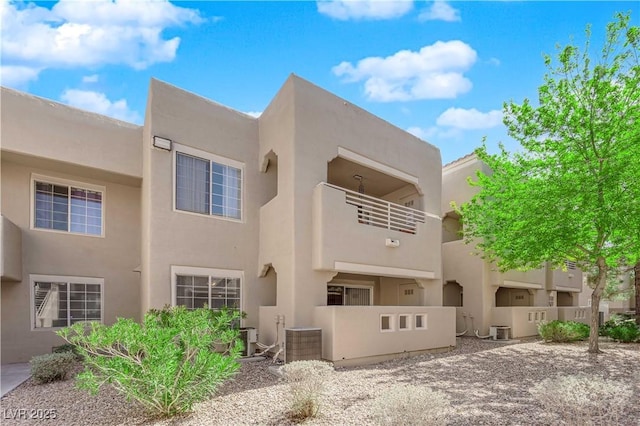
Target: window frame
pixel 424 325
pixel 204 155
pixel 345 284
pixel 391 319
pixel 209 272
pixel 69 183
pixel 33 278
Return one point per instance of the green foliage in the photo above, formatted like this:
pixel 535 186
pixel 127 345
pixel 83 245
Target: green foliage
pixel 571 191
pixel 411 405
pixel 563 331
pixel 167 363
pixel 67 347
pixel 622 328
pixel 306 381
pixel 584 400
pixel 51 367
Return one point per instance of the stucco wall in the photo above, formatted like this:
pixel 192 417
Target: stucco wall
pixel 113 257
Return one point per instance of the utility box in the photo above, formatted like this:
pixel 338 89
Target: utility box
pixel 249 336
pixel 302 343
pixel 499 332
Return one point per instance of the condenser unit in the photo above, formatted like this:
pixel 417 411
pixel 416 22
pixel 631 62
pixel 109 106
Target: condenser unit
pixel 302 343
pixel 499 332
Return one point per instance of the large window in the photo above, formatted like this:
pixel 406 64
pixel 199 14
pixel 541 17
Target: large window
pixel 66 206
pixel 195 287
pixel 62 301
pixel 208 184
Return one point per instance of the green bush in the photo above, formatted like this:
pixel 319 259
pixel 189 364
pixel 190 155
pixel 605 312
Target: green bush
pixel 51 367
pixel 67 347
pixel 563 331
pixel 306 385
pixel 167 363
pixel 622 328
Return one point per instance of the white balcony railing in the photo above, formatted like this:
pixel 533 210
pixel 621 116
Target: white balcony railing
pixel 383 214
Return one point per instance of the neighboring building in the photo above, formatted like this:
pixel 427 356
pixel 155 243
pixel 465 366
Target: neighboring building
pixel 482 295
pixel 316 214
pixel 619 304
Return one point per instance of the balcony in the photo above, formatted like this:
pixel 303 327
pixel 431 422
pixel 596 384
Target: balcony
pixel 351 230
pixel 374 333
pixel 11 262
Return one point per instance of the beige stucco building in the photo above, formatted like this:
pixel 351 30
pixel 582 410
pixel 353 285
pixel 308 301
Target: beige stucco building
pixel 484 296
pixel 317 214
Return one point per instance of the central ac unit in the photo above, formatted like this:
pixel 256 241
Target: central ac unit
pixel 249 336
pixel 302 343
pixel 499 332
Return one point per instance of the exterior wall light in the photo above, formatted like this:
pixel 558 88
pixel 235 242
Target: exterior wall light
pixel 162 143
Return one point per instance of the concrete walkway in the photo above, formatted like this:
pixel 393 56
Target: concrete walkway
pixel 12 375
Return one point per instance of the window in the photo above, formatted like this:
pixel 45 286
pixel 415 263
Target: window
pixel 349 295
pixel 62 301
pixel 207 184
pixel 420 321
pixel 195 287
pixel 404 322
pixel 66 206
pixel 386 323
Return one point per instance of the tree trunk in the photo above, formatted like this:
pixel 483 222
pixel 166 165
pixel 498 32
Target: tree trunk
pixel 601 281
pixel 636 273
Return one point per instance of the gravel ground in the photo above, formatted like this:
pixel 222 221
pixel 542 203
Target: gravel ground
pixel 487 383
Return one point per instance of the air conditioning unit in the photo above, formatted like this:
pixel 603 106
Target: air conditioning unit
pixel 249 336
pixel 499 332
pixel 302 343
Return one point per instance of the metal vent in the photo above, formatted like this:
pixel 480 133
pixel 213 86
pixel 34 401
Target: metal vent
pixel 499 332
pixel 302 344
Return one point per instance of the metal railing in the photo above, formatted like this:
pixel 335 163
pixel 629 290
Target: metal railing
pixel 383 214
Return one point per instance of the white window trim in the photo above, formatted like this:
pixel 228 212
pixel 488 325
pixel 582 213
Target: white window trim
pixel 347 284
pixel 424 321
pixel 69 280
pixel 59 181
pixel 183 149
pixel 392 325
pixel 199 271
pixel 408 322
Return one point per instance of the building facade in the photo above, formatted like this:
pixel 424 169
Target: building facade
pixel 484 296
pixel 317 214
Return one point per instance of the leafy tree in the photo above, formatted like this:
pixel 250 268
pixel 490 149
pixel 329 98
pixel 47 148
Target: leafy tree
pixel 636 287
pixel 572 191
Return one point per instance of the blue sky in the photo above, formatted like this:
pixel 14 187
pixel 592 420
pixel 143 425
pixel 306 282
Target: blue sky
pixel 440 70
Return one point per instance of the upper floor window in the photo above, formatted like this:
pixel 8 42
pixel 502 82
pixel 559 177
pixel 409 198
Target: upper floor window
pixel 62 301
pixel 208 184
pixel 67 206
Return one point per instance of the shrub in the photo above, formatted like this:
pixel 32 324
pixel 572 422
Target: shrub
pixel 622 328
pixel 584 399
pixel 411 405
pixel 167 363
pixel 563 331
pixel 51 367
pixel 306 381
pixel 67 347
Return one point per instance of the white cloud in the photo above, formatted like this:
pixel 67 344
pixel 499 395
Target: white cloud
pixel 364 9
pixel 90 78
pixel 254 114
pixel 440 11
pixel 99 103
pixel 494 61
pixel 469 119
pixel 435 133
pixel 79 33
pixel 17 76
pixel 433 72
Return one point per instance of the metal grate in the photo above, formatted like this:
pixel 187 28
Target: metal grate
pixel 303 344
